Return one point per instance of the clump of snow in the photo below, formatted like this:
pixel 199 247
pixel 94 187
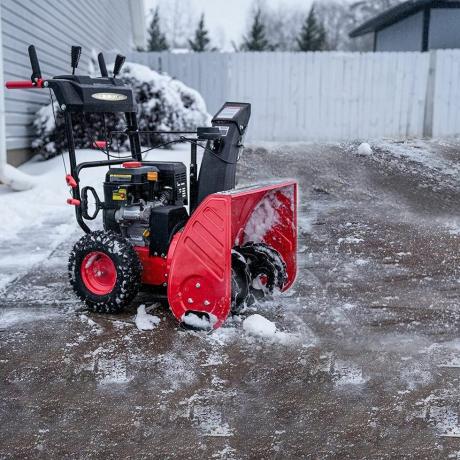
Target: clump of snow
pixel 163 103
pixel 259 326
pixel 365 149
pixel 199 322
pixel 144 321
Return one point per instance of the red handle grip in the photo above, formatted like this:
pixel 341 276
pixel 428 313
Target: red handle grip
pixel 23 84
pixel 73 202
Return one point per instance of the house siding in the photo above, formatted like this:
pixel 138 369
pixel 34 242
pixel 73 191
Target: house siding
pixel 405 35
pixel 53 27
pixel 444 28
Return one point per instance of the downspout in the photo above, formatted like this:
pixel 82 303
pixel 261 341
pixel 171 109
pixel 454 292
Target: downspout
pixel 9 175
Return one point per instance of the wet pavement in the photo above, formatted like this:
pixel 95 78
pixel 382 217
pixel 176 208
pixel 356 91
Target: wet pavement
pixel 368 367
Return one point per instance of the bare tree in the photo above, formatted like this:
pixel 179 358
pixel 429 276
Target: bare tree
pixel 283 25
pixel 179 21
pixel 340 18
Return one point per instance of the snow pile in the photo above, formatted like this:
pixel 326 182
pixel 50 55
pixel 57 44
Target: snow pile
pixel 164 104
pixel 365 149
pixel 144 321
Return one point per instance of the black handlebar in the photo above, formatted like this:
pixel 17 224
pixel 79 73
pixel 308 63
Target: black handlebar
pixel 102 66
pixel 75 57
pixel 119 61
pixel 36 72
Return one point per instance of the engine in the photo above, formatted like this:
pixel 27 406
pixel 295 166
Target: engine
pixel 146 203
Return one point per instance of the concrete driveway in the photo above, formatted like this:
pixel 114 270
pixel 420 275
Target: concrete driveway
pixel 368 367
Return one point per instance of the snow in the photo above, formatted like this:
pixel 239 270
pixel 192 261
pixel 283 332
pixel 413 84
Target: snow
pixel 259 326
pixel 365 149
pixel 197 322
pixel 16 179
pixel 144 321
pixel 263 218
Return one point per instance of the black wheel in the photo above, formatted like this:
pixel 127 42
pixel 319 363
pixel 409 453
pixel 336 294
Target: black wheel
pixel 105 271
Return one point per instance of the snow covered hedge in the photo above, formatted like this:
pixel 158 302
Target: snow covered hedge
pixel 164 104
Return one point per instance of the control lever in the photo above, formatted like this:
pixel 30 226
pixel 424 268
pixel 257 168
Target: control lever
pixel 75 57
pixel 119 61
pixel 36 72
pixel 102 66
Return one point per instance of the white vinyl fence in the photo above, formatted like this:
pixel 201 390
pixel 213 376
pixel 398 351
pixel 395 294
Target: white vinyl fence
pixel 329 95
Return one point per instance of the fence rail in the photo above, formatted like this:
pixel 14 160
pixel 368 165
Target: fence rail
pixel 329 95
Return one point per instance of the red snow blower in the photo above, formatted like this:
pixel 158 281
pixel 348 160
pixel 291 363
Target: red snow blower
pixel 228 249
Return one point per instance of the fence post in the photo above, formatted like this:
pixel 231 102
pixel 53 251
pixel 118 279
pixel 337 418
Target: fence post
pixel 429 99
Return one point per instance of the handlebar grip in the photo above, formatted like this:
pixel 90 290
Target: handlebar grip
pixel 102 66
pixel 75 57
pixel 22 84
pixel 119 61
pixel 36 72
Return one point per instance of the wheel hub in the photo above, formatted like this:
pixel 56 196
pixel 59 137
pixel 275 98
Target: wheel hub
pixel 99 273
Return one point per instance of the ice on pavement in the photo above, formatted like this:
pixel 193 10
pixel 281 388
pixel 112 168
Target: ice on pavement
pixel 144 321
pixel 20 316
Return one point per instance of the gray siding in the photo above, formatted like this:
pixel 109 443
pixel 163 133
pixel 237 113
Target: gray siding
pixel 444 28
pixel 405 35
pixel 53 26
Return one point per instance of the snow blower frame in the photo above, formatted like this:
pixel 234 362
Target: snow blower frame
pixel 234 246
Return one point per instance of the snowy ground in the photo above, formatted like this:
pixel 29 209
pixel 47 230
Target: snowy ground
pixel 361 359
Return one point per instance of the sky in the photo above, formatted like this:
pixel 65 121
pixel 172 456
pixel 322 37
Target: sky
pixel 226 19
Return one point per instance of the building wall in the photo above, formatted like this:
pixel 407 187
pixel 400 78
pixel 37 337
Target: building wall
pixel 53 26
pixel 405 35
pixel 444 28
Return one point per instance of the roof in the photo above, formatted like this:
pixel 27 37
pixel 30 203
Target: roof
pixel 399 13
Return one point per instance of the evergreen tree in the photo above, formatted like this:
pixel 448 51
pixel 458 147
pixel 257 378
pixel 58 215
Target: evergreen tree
pixel 156 39
pixel 201 40
pixel 256 40
pixel 313 34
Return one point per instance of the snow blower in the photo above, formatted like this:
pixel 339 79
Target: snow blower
pixel 208 250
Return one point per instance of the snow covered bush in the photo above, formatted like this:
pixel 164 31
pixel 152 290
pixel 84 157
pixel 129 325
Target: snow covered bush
pixel 164 104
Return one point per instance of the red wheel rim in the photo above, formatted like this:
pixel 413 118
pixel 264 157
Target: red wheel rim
pixel 98 272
